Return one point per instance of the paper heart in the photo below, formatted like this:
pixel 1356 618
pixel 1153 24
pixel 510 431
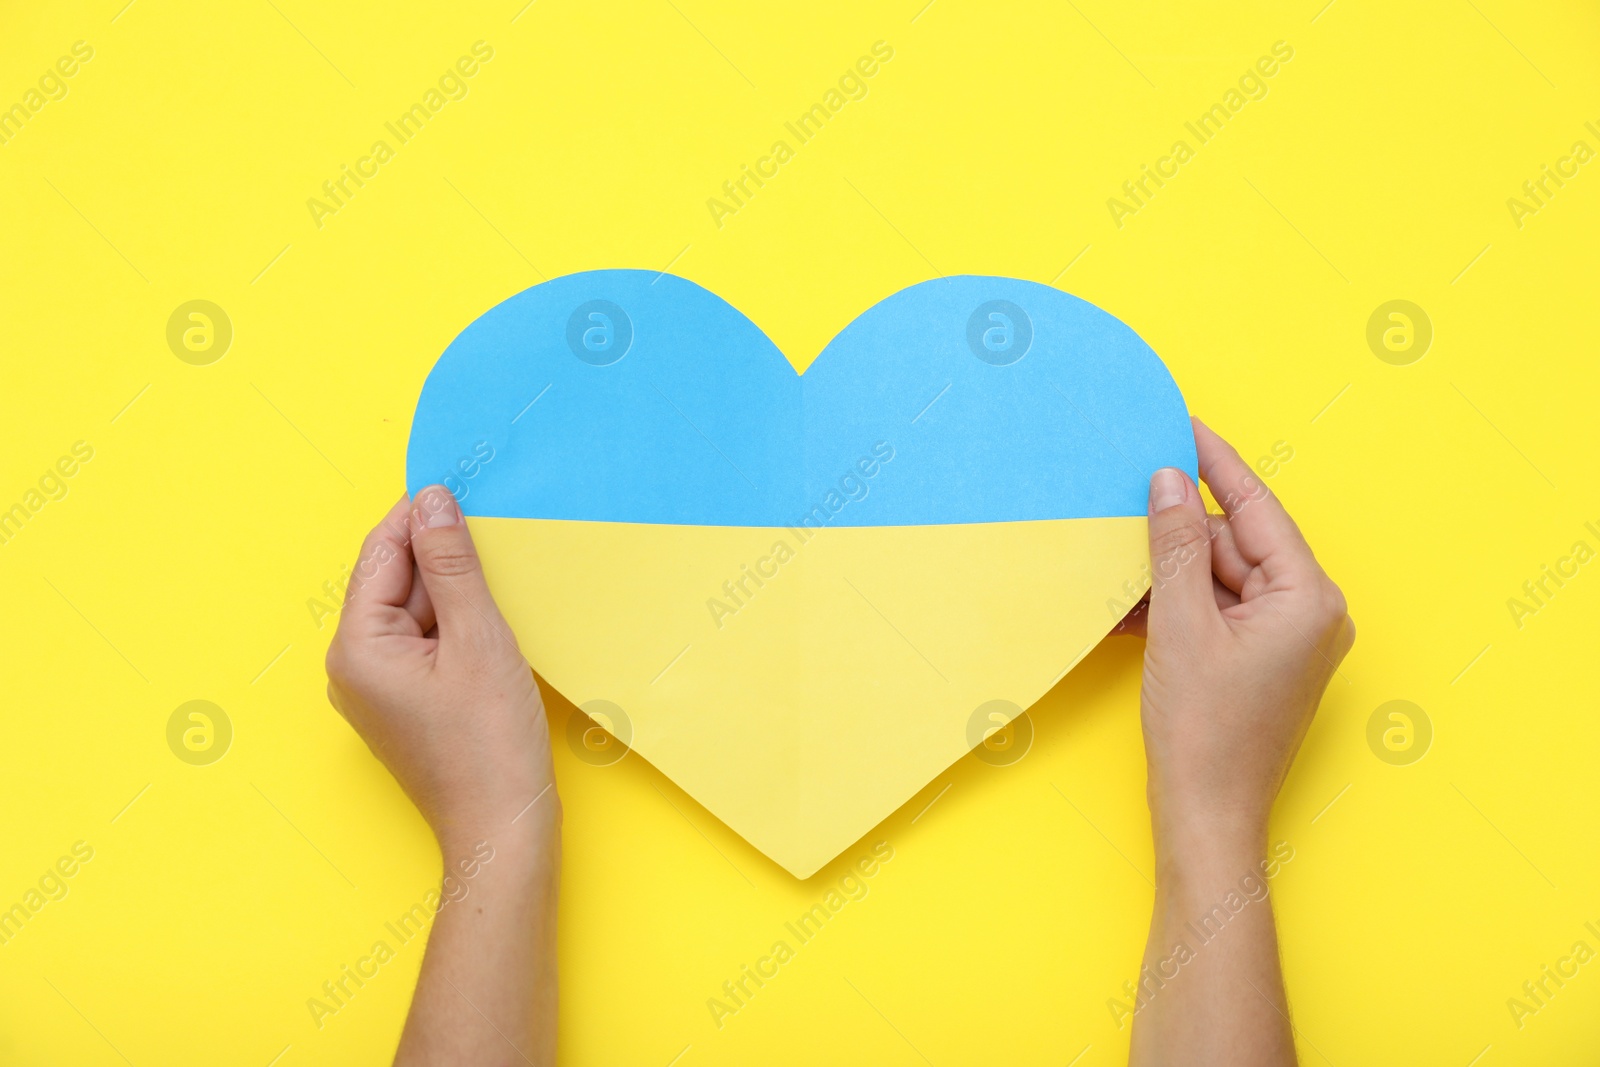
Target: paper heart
pixel 803 596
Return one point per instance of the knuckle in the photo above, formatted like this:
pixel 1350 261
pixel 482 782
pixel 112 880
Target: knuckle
pixel 1326 613
pixel 336 663
pixel 1333 601
pixel 451 560
pixel 378 551
pixel 1177 541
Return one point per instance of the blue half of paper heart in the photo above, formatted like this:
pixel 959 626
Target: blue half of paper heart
pixel 636 397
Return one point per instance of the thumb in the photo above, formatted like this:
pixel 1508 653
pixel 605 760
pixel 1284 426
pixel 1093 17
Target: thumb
pixel 1180 553
pixel 449 566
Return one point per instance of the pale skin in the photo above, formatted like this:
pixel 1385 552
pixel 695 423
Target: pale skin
pixel 429 674
pixel 1244 631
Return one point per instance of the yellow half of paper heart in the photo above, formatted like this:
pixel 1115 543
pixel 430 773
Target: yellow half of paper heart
pixel 803 684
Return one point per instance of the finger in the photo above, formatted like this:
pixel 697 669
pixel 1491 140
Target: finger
pixel 381 578
pixel 1226 598
pixel 1136 622
pixel 1180 554
pixel 1231 568
pixel 418 603
pixel 1262 529
pixel 450 569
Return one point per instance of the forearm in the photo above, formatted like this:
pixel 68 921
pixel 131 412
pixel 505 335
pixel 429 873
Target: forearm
pixel 487 991
pixel 1210 990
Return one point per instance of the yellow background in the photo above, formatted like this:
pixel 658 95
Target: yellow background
pixel 179 564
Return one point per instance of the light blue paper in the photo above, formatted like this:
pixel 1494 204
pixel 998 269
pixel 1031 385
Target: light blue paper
pixel 630 396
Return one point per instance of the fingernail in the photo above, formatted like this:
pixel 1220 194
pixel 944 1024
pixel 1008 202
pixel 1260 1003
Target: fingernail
pixel 441 509
pixel 1167 489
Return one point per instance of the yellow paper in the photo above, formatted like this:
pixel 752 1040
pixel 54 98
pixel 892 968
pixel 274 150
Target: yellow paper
pixel 841 683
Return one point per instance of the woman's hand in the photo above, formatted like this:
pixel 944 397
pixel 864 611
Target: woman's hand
pixel 1244 631
pixel 429 674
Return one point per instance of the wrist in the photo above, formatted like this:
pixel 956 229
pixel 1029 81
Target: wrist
pixel 1194 843
pixel 508 811
pixel 513 861
pixel 526 830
